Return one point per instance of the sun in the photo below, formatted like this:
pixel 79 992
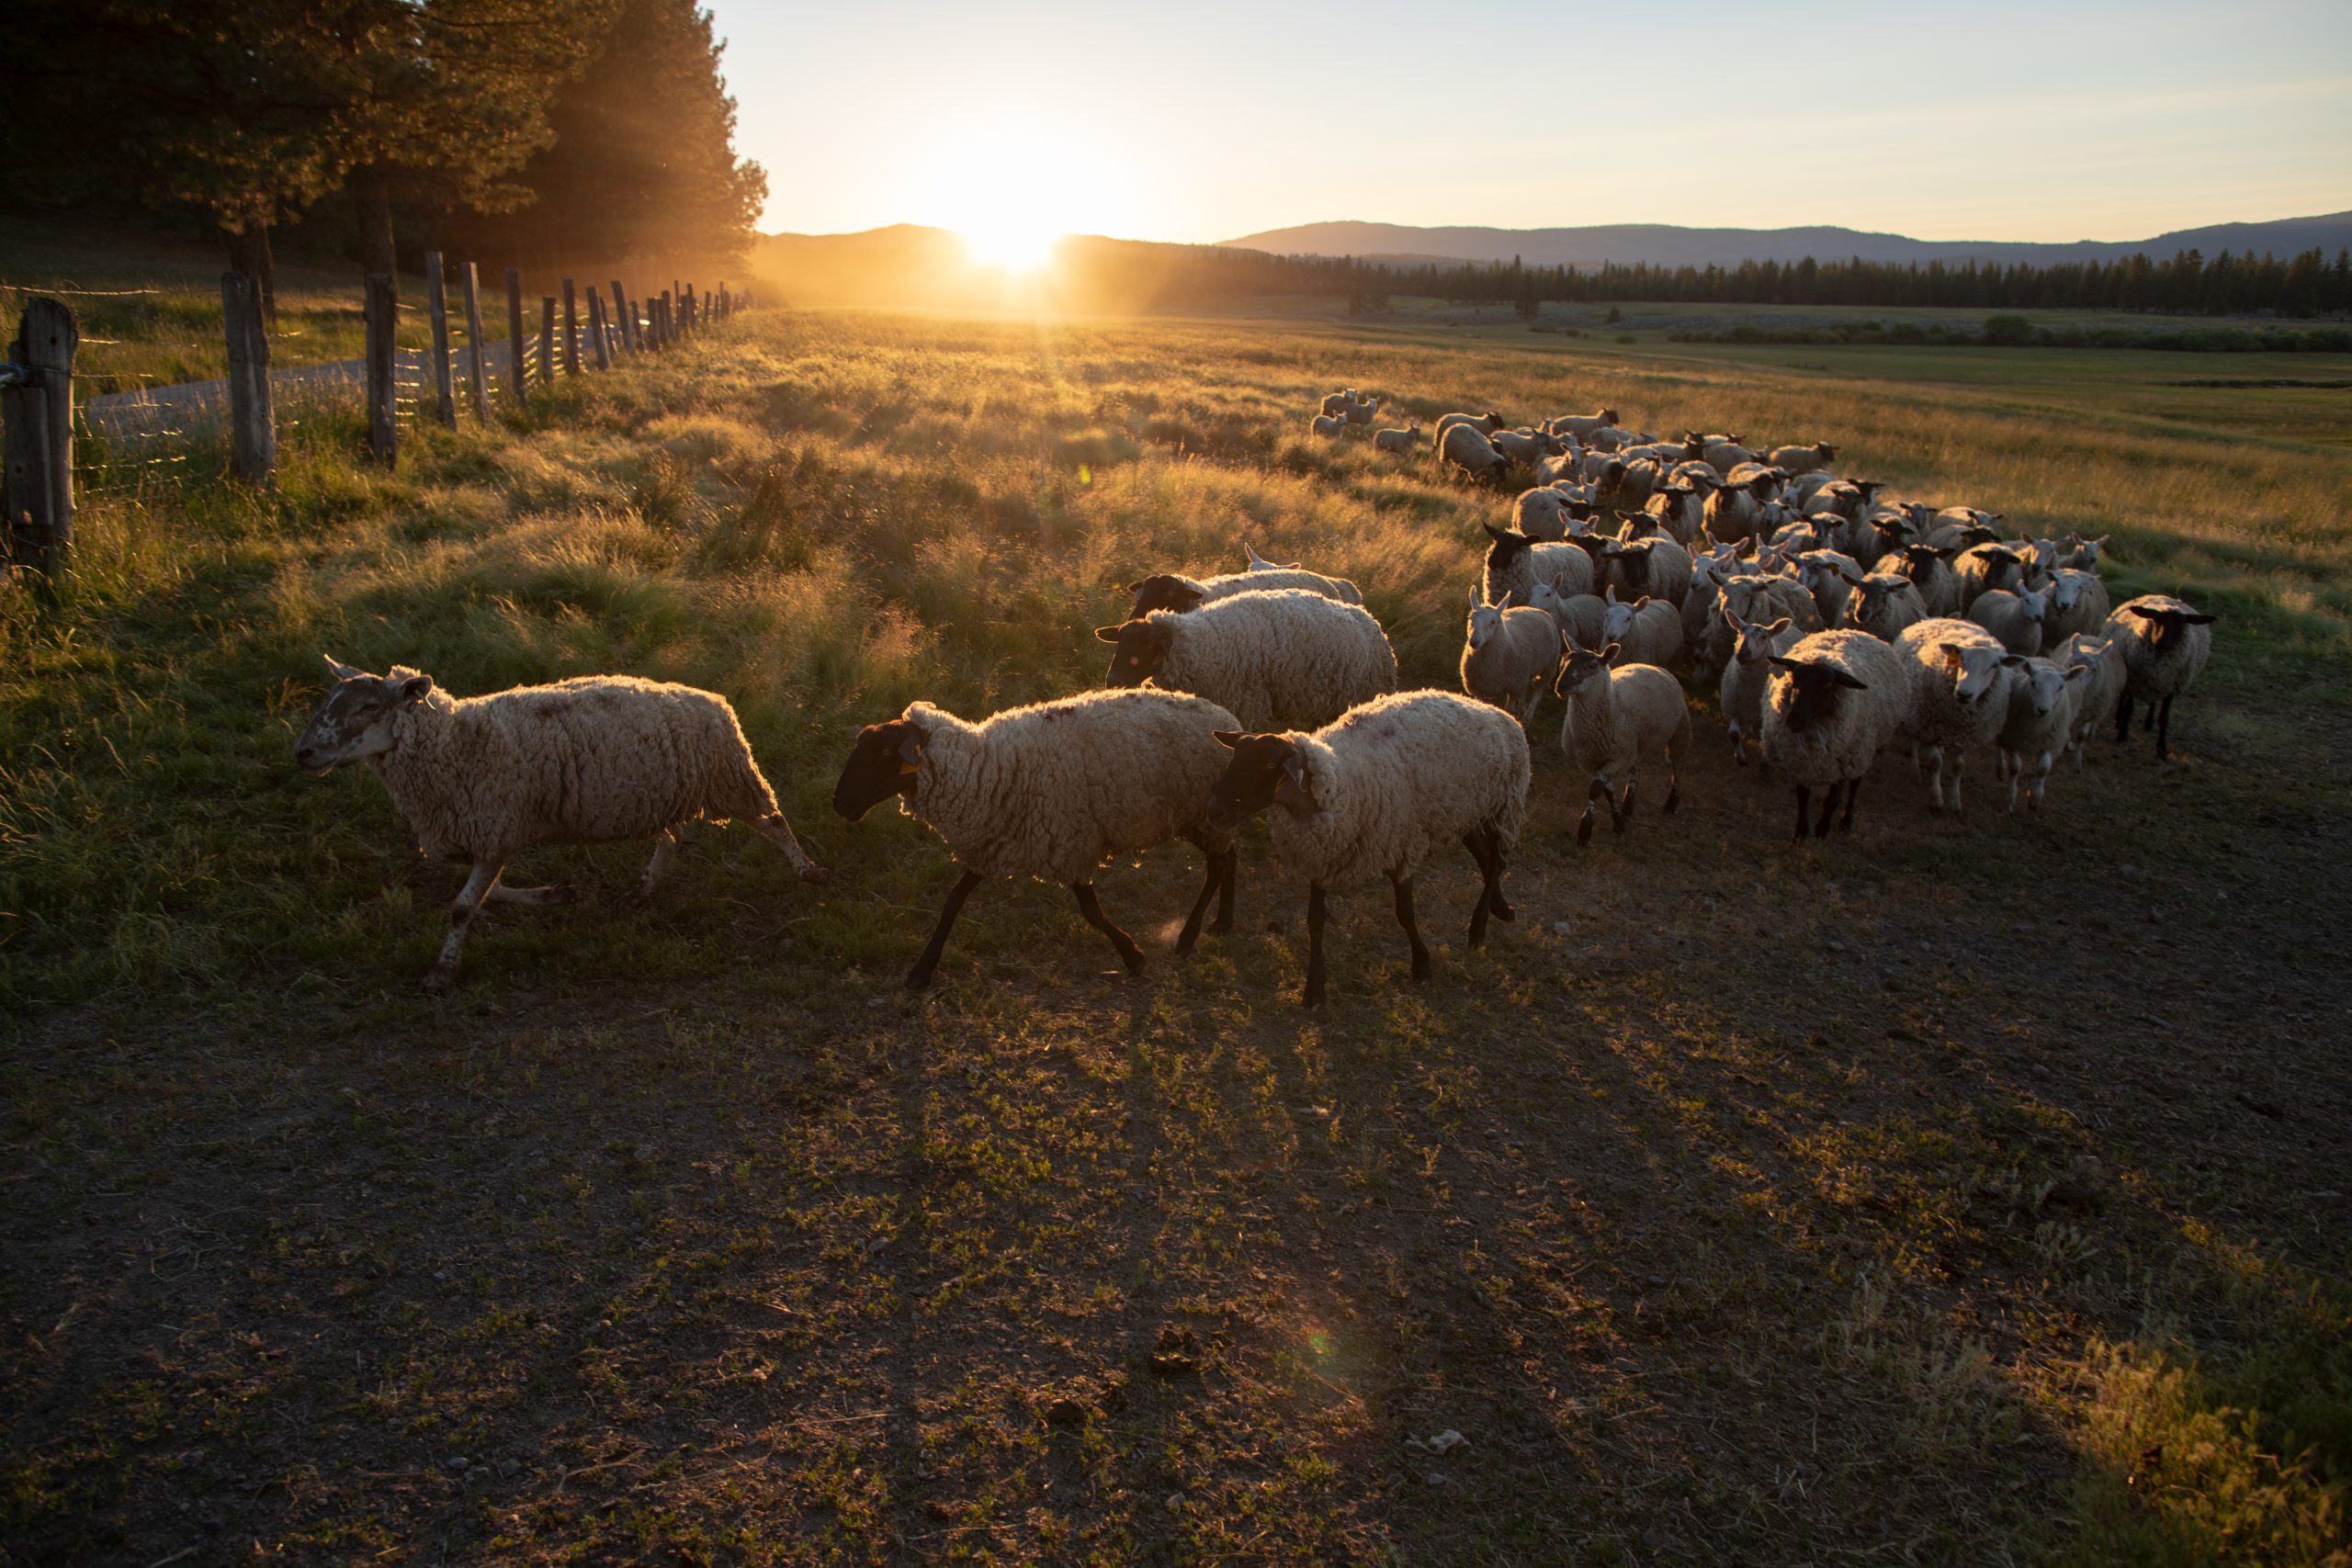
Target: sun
pixel 1013 188
pixel 1014 240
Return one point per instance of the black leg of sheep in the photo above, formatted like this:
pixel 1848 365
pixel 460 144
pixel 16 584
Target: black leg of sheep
pixel 1805 814
pixel 2122 720
pixel 2163 730
pixel 1129 954
pixel 919 976
pixel 1486 846
pixel 1845 821
pixel 1412 931
pixel 1209 886
pixel 1312 996
pixel 1828 813
pixel 1225 892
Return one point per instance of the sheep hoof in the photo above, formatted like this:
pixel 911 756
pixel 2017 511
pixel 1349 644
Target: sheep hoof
pixel 817 876
pixel 1673 798
pixel 918 979
pixel 1584 827
pixel 440 979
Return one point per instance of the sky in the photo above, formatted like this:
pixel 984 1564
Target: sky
pixel 1989 121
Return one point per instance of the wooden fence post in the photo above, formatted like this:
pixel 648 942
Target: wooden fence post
pixel 383 322
pixel 37 409
pixel 620 317
pixel 570 330
pixel 596 330
pixel 478 372
pixel 518 381
pixel 726 305
pixel 547 340
pixel 669 318
pixel 252 433
pixel 436 300
pixel 636 326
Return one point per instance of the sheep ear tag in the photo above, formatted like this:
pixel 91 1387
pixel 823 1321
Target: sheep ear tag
pixel 1290 788
pixel 911 753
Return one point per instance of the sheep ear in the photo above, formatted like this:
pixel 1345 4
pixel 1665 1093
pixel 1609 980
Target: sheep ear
pixel 2013 661
pixel 342 672
pixel 1729 619
pixel 2074 669
pixel 1785 662
pixel 2197 620
pixel 1951 652
pixel 1228 739
pixel 1845 680
pixel 1642 601
pixel 1611 651
pixel 412 687
pixel 909 749
pixel 1777 627
pixel 1106 634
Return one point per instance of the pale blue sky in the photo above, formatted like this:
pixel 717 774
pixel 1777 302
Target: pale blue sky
pixel 1977 120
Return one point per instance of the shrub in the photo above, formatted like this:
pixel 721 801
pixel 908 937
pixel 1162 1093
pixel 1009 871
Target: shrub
pixel 2008 332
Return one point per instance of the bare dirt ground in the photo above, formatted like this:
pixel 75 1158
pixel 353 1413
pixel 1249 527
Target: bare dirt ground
pixel 1739 1203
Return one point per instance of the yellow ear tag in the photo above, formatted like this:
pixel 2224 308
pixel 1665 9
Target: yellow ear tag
pixel 907 767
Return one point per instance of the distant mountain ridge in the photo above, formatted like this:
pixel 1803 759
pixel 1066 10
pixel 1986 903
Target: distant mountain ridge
pixel 1667 244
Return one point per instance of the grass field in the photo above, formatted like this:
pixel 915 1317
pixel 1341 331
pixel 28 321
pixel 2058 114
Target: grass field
pixel 1962 1191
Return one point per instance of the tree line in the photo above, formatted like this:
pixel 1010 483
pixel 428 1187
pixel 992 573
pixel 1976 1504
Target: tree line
pixel 535 130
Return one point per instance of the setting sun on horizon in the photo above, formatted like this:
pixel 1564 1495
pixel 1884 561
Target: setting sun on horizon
pixel 1012 189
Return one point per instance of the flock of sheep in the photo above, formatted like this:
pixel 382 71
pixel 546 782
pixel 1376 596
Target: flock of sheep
pixel 1272 691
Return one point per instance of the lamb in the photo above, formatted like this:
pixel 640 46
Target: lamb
pixel 1330 425
pixel 2165 642
pixel 1584 617
pixel 2101 689
pixel 1465 448
pixel 1397 441
pixel 1884 604
pixel 1644 631
pixel 1740 695
pixel 1802 459
pixel 1982 569
pixel 1838 698
pixel 1618 713
pixel 1929 569
pixel 1375 794
pixel 1508 655
pixel 1172 590
pixel 582 762
pixel 1281 658
pixel 2014 617
pixel 1959 683
pixel 1052 791
pixel 2039 725
pixel 2078 602
pixel 1515 563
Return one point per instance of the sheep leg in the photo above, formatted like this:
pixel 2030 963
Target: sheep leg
pixel 1129 954
pixel 1312 996
pixel 1486 846
pixel 1412 932
pixel 2122 720
pixel 1631 784
pixel 1828 810
pixel 1225 892
pixel 1959 762
pixel 1192 932
pixel 555 893
pixel 1845 822
pixel 665 849
pixel 2164 729
pixel 778 832
pixel 1935 778
pixel 919 976
pixel 1805 814
pixel 478 882
pixel 1673 790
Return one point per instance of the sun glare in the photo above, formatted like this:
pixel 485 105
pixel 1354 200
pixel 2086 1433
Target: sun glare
pixel 1013 189
pixel 1013 241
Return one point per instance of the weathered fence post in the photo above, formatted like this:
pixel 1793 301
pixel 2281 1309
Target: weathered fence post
pixel 596 330
pixel 636 327
pixel 436 299
pixel 37 407
pixel 547 340
pixel 478 372
pixel 620 317
pixel 725 305
pixel 571 330
pixel 518 385
pixel 383 322
pixel 253 431
pixel 669 318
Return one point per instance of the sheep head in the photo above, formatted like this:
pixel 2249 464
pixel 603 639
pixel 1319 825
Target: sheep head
pixel 1164 591
pixel 354 723
pixel 1138 649
pixel 884 762
pixel 1580 667
pixel 1266 770
pixel 1812 691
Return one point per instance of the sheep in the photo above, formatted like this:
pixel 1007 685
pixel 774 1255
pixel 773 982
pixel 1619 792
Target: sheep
pixel 1652 563
pixel 1584 617
pixel 1582 424
pixel 2101 690
pixel 1963 533
pixel 2083 554
pixel 1838 698
pixel 1282 657
pixel 1828 576
pixel 1882 605
pixel 1802 459
pixel 1172 591
pixel 1642 631
pixel 2078 602
pixel 2014 616
pixel 1399 441
pixel 1770 596
pixel 1740 695
pixel 1929 569
pixel 1364 410
pixel 1725 452
pixel 1515 563
pixel 1463 447
pixel 1732 513
pixel 1679 508
pixel 1526 447
pixel 2165 642
pixel 1330 425
pixel 1541 513
pixel 1483 423
pixel 1508 654
pixel 1375 794
pixel 1985 567
pixel 2039 725
pixel 584 761
pixel 1338 403
pixel 1959 683
pixel 1708 573
pixel 1561 468
pixel 1052 791
pixel 1618 713
pixel 1259 563
pixel 1603 470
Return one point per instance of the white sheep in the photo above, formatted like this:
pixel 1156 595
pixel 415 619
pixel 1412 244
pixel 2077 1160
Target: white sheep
pixel 1883 604
pixel 1740 695
pixel 1959 685
pixel 1259 563
pixel 1982 569
pixel 2012 615
pixel 1582 424
pixel 1463 447
pixel 1338 403
pixel 1645 560
pixel 1397 441
pixel 1540 513
pixel 2078 602
pixel 1375 794
pixel 1052 791
pixel 1526 447
pixel 2083 554
pixel 1508 655
pixel 1172 591
pixel 1515 563
pixel 1284 658
pixel 2041 724
pixel 2165 642
pixel 1483 423
pixel 1584 617
pixel 1364 410
pixel 2101 689
pixel 1838 699
pixel 1802 459
pixel 582 762
pixel 1680 508
pixel 1330 425
pixel 1642 631
pixel 1618 713
pixel 1929 569
pixel 1734 511
pixel 1828 575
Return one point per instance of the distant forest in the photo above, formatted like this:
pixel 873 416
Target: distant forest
pixel 529 131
